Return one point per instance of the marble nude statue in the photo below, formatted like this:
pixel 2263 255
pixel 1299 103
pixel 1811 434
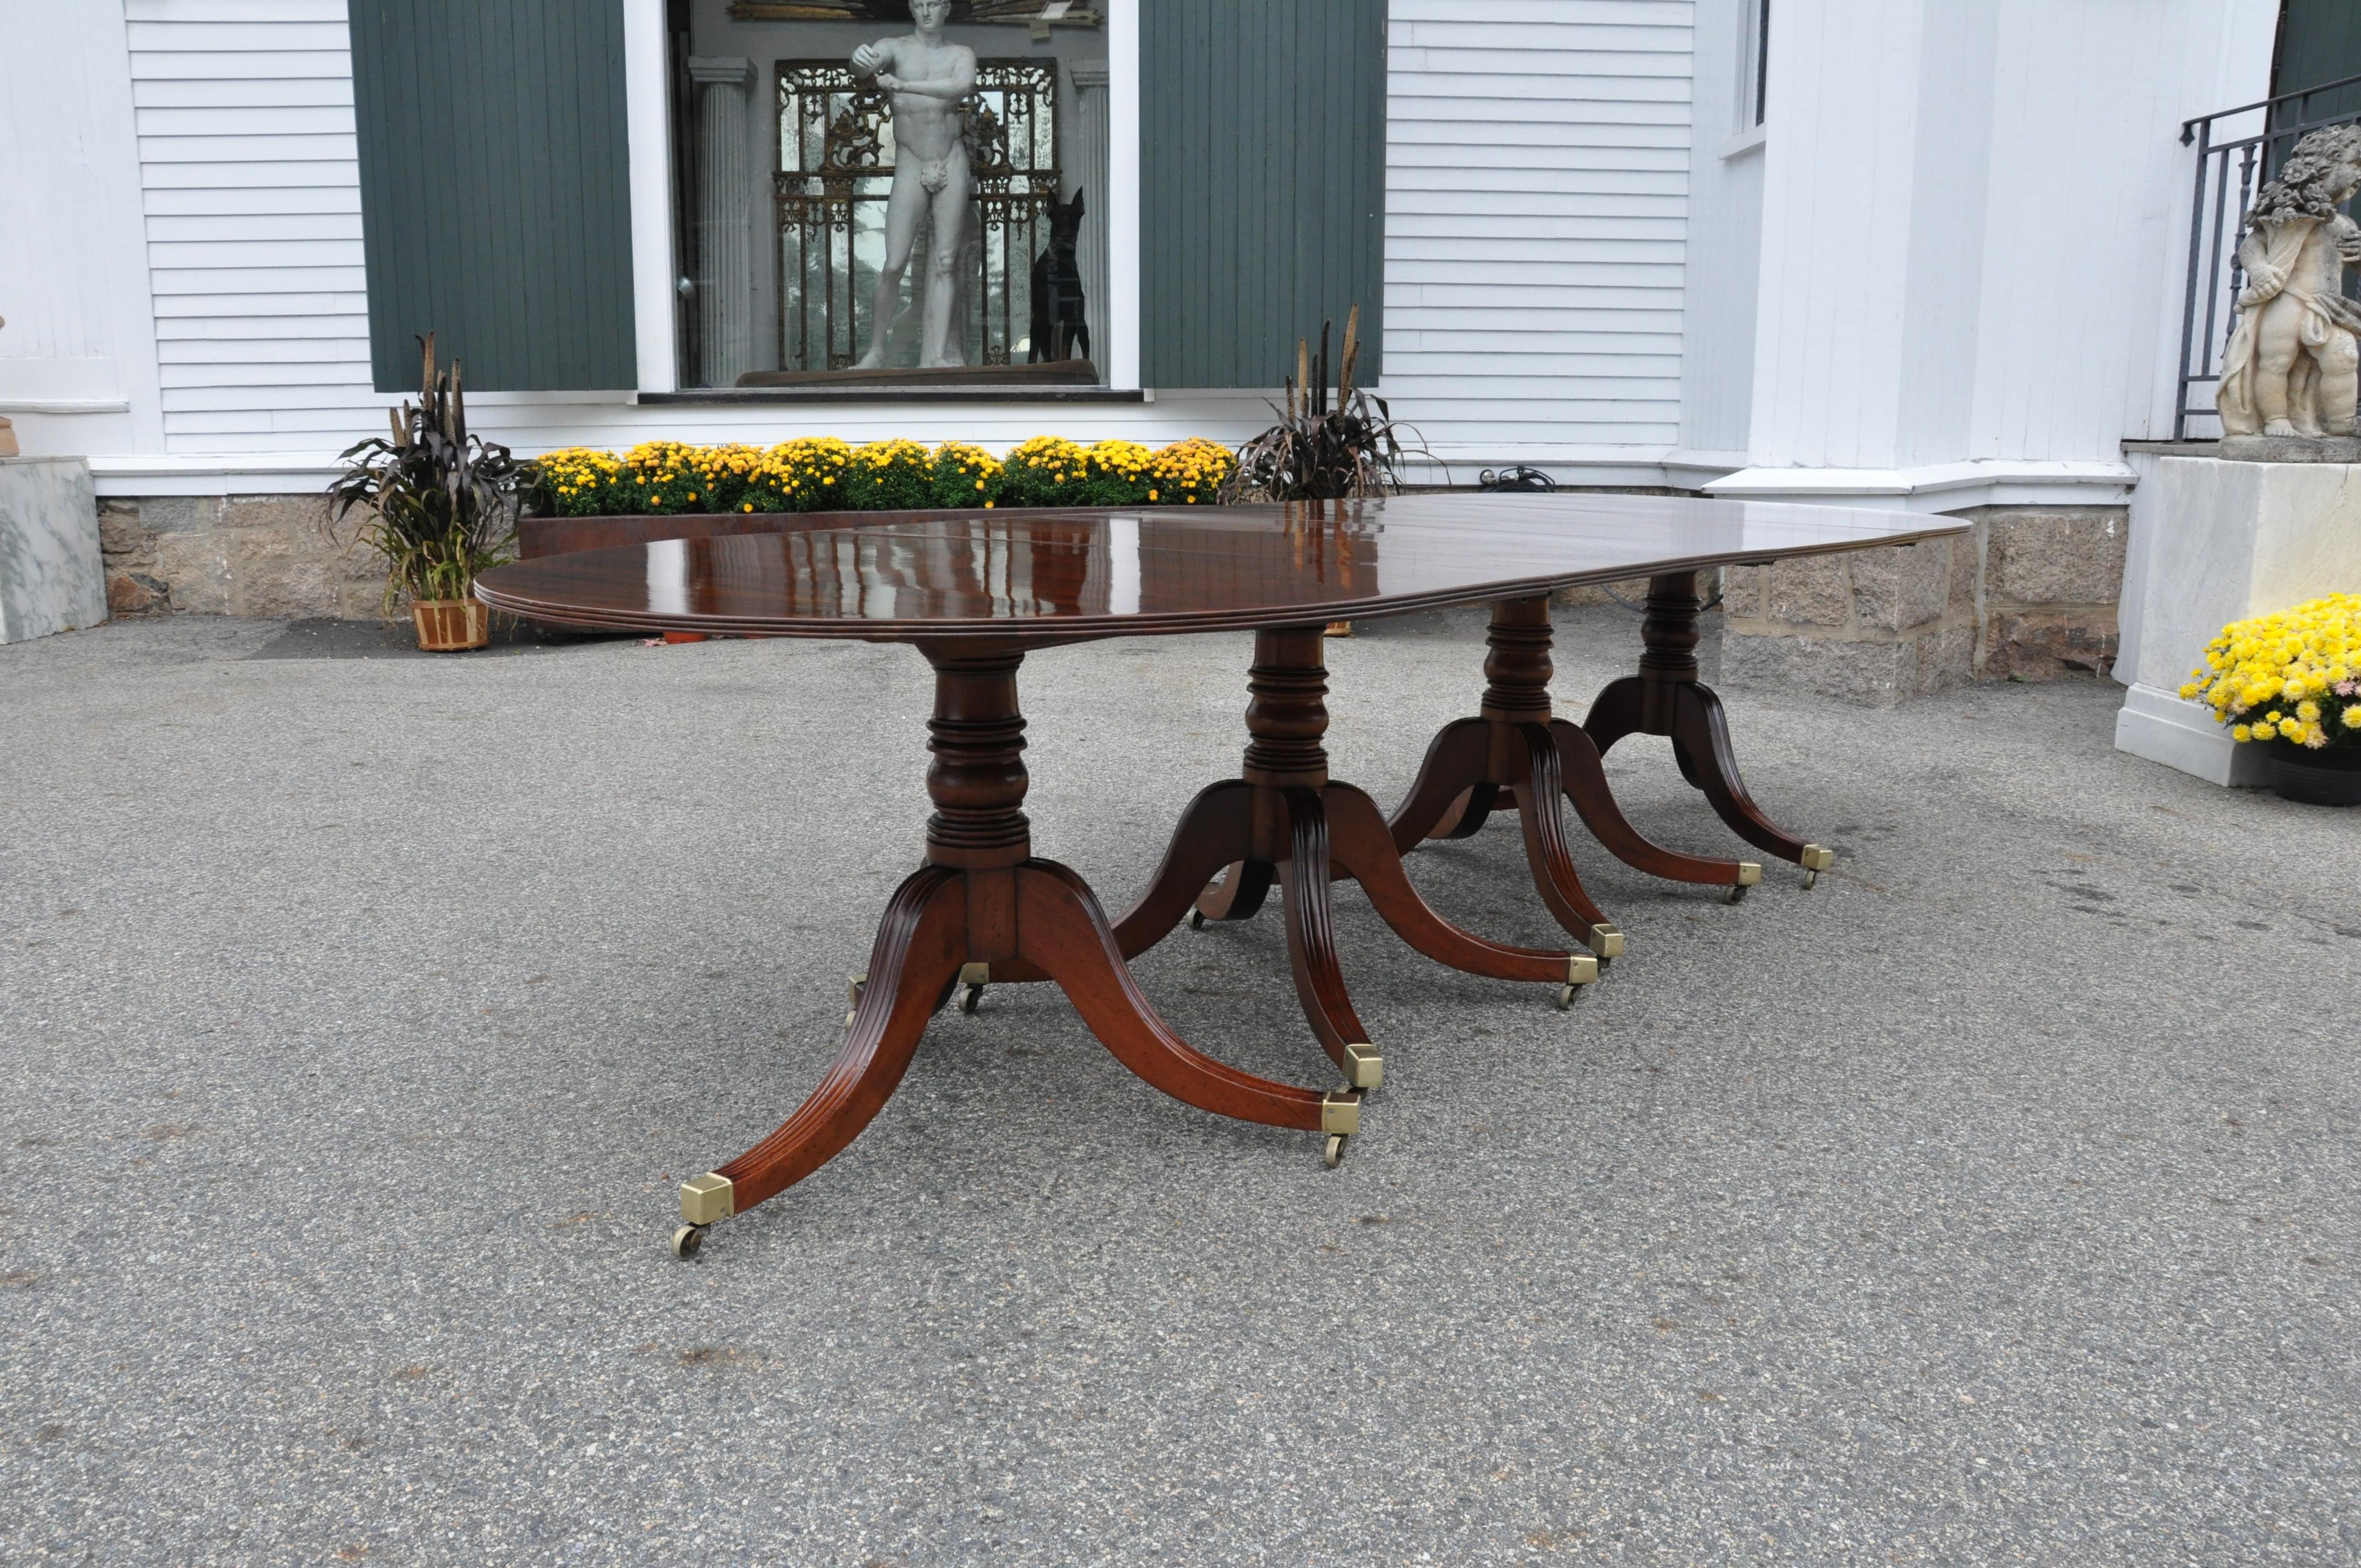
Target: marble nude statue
pixel 930 81
pixel 2293 366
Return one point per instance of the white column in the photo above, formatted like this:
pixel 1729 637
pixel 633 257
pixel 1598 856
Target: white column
pixel 725 267
pixel 650 136
pixel 1120 362
pixel 1089 167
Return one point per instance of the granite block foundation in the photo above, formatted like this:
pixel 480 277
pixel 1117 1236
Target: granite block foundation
pixel 233 555
pixel 2029 593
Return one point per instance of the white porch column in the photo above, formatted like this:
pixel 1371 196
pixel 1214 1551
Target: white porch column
pixel 1089 174
pixel 725 267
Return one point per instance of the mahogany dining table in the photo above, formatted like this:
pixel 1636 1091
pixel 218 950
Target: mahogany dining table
pixel 975 593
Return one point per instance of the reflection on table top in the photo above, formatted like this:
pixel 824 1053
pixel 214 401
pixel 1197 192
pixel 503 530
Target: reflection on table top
pixel 1067 576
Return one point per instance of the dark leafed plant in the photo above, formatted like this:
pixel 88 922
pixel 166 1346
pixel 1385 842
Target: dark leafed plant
pixel 1323 448
pixel 439 504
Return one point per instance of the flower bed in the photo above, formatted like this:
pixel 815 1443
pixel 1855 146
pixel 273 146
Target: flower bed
pixel 816 474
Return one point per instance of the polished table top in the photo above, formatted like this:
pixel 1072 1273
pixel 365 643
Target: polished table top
pixel 1068 577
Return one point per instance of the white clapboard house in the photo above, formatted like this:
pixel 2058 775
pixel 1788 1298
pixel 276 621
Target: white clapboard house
pixel 1911 252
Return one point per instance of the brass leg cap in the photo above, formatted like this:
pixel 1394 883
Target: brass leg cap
pixel 707 1197
pixel 1364 1066
pixel 1606 942
pixel 1581 969
pixel 1817 858
pixel 1749 873
pixel 852 984
pixel 1340 1111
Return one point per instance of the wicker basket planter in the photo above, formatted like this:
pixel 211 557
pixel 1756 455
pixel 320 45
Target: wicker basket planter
pixel 450 626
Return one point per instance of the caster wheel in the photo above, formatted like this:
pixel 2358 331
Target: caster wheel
pixel 687 1241
pixel 1196 919
pixel 971 997
pixel 1810 876
pixel 1567 995
pixel 1737 894
pixel 1333 1155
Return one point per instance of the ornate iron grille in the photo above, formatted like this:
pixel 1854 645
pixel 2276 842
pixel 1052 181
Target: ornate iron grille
pixel 835 172
pixel 2257 146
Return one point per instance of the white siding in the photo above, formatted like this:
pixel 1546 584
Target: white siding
pixel 252 192
pixel 1537 179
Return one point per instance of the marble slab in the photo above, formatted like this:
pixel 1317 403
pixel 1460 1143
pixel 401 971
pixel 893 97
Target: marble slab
pixel 52 576
pixel 2226 541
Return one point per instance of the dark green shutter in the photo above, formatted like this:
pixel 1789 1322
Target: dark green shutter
pixel 496 201
pixel 1262 184
pixel 2319 41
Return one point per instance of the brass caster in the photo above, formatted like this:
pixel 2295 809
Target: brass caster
pixel 687 1241
pixel 1333 1155
pixel 971 997
pixel 1581 969
pixel 1364 1066
pixel 1196 919
pixel 972 978
pixel 1816 859
pixel 1811 879
pixel 1737 894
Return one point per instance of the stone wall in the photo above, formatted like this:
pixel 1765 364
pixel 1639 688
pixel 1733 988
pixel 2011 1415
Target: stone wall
pixel 2028 594
pixel 233 555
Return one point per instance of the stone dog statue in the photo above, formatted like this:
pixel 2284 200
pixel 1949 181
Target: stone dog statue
pixel 2293 366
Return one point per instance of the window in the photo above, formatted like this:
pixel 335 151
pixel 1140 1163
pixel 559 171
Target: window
pixel 1754 61
pixel 908 192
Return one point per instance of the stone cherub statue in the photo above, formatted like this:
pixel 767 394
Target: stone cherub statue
pixel 2293 367
pixel 930 81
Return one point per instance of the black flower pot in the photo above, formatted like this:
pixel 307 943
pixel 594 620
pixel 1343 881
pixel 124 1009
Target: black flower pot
pixel 2329 776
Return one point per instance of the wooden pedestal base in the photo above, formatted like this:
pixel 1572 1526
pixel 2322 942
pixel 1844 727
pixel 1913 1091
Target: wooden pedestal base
pixel 1285 821
pixel 983 899
pixel 1515 756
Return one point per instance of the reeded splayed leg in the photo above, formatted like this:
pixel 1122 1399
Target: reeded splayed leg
pixel 1312 942
pixel 1666 698
pixel 981 901
pixel 1215 830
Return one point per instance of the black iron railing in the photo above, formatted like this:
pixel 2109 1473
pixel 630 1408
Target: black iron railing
pixel 2215 216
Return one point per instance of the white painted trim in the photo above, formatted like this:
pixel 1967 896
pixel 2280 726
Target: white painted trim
pixel 1940 486
pixel 653 267
pixel 1123 194
pixel 1745 141
pixel 113 129
pixel 64 406
pixel 2163 728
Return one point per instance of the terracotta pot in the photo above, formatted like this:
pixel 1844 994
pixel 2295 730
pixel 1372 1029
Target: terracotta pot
pixel 449 625
pixel 2330 776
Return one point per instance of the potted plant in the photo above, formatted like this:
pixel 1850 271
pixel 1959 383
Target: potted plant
pixel 440 505
pixel 1322 450
pixel 2291 684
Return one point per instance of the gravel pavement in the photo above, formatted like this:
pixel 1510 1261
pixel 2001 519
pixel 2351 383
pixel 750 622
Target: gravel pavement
pixel 1994 1202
